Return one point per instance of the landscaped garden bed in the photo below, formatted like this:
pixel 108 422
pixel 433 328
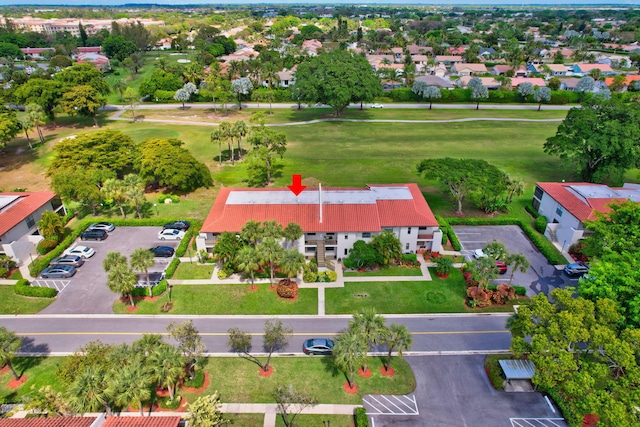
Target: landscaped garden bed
pixel 385 271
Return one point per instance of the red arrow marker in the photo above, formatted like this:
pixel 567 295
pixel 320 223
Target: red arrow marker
pixel 296 185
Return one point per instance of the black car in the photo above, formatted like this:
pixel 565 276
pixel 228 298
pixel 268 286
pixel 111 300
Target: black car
pixel 321 346
pixel 177 225
pixel 162 251
pixel 94 235
pixel 72 260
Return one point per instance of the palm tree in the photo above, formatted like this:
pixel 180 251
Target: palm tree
pixel 270 251
pixel 370 325
pixel 226 129
pixel 193 73
pixel 217 136
pixel 134 186
pixel 235 70
pixel 51 225
pixel 226 247
pixel 292 232
pixel 119 87
pixel 270 74
pixel 122 280
pixel 27 125
pixel 114 189
pixel 141 259
pixel 167 364
pixel 38 117
pixel 240 130
pixel 349 353
pixel 291 263
pixel 131 384
pixel 396 337
pixel 112 260
pixel 10 343
pixel 88 391
pixel 251 232
pixel 519 262
pixel 271 229
pixel 248 260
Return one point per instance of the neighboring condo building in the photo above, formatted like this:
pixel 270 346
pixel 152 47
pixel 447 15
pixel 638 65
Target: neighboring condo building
pixel 72 26
pixel 566 205
pixel 332 219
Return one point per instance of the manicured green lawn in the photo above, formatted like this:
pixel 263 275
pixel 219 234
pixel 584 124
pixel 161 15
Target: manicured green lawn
pixel 228 299
pixel 39 371
pixel 319 420
pixel 245 420
pixel 237 379
pixel 189 271
pixel 11 303
pixel 388 271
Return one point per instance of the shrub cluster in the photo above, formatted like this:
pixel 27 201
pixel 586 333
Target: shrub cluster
pixel 171 269
pixel 448 231
pixel 541 224
pixel 520 291
pixel 361 418
pixel 45 246
pixel 532 211
pixel 287 289
pixel 327 276
pixel 558 97
pixel 156 291
pixel 163 197
pixel 22 287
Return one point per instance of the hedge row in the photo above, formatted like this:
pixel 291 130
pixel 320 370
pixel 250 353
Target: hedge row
pixel 156 291
pixel 545 247
pixel 361 418
pixel 558 97
pixel 42 262
pixel 171 269
pixel 22 287
pixel 532 211
pixel 451 235
pixel 520 290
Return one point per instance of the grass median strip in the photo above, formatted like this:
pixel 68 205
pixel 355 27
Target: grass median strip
pixel 11 303
pixel 388 271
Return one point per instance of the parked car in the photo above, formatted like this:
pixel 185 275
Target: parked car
pixel 106 226
pixel 479 253
pixel 318 346
pixel 576 269
pixel 162 251
pixel 58 272
pixel 170 234
pixel 94 235
pixel 83 251
pixel 177 225
pixel 501 266
pixel 72 260
pixel 377 105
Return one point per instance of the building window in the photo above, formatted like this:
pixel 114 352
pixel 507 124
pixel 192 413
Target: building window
pixel 538 193
pixel 366 235
pixel 30 221
pixel 346 236
pixel 536 204
pixel 558 211
pixel 387 229
pixel 409 230
pixel 406 247
pixel 346 252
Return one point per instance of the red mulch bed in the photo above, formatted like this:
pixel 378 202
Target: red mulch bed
pixel 252 289
pixel 200 389
pixel 387 373
pixel 4 369
pixel 13 384
pixel 365 374
pixel 131 308
pixel 161 392
pixel 348 388
pixel 442 276
pixel 268 372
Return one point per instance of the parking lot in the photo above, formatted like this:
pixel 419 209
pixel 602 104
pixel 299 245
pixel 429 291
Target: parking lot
pixel 540 277
pixel 87 291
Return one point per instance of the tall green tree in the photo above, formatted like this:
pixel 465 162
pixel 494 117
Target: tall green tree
pixel 396 337
pixel 117 47
pixel 615 231
pixel 51 225
pixel 276 337
pixel 10 343
pixel 134 190
pixel 132 98
pixel 83 100
pixel 601 140
pixel 518 262
pixel 167 365
pixel 271 252
pixel 45 93
pixel 267 145
pixel 291 402
pixel 292 263
pixel 336 78
pixel 122 280
pixel 9 126
pixel 37 117
pixel 189 343
pixel 226 247
pixel 239 131
pixel 388 246
pixel 131 384
pixel 248 261
pixel 370 325
pixel 88 392
pixel 292 232
pixel 251 232
pixel 84 74
pixel 141 259
pixel 349 353
pixel 115 190
pixel 26 124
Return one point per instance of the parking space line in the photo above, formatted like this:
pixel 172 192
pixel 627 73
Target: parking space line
pixel 539 422
pixel 390 404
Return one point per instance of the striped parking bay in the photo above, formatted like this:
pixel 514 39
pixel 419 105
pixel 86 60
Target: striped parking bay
pixel 386 404
pixel 538 422
pixel 58 285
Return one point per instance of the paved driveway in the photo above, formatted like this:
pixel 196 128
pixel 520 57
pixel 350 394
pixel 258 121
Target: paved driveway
pixel 87 291
pixel 454 391
pixel 540 277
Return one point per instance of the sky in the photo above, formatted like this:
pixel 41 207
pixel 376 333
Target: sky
pixel 395 2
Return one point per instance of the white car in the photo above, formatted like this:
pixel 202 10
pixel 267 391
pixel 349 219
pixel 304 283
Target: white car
pixel 377 105
pixel 106 226
pixel 479 253
pixel 171 234
pixel 83 251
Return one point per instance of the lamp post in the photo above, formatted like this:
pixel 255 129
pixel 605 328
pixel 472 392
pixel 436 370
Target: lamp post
pixel 155 205
pixel 170 288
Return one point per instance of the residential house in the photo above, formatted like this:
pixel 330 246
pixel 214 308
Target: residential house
pixel 629 80
pixel 388 85
pixel 286 79
pixel 419 60
pixel 585 69
pixel 535 81
pixel 569 83
pixel 457 50
pixel 332 219
pixel 100 420
pixel 557 70
pixel 36 52
pixel 311 47
pixel 377 61
pixel 567 205
pixel 439 70
pixel 436 81
pixel 89 49
pixel 489 82
pixel 465 69
pixel 19 214
pixel 487 51
pixel 98 59
pixel 398 54
pixel 502 70
pixel 448 60
pixel 414 49
pixel 163 44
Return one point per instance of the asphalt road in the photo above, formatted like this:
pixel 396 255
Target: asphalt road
pixel 433 334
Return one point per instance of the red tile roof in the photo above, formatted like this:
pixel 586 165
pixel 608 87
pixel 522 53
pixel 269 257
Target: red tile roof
pixel 336 217
pixel 629 79
pixel 17 211
pixel 48 422
pixel 582 209
pixel 158 421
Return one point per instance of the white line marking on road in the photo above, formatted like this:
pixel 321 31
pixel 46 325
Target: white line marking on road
pixel 550 405
pixel 544 422
pixel 372 423
pixel 391 403
pixel 381 404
